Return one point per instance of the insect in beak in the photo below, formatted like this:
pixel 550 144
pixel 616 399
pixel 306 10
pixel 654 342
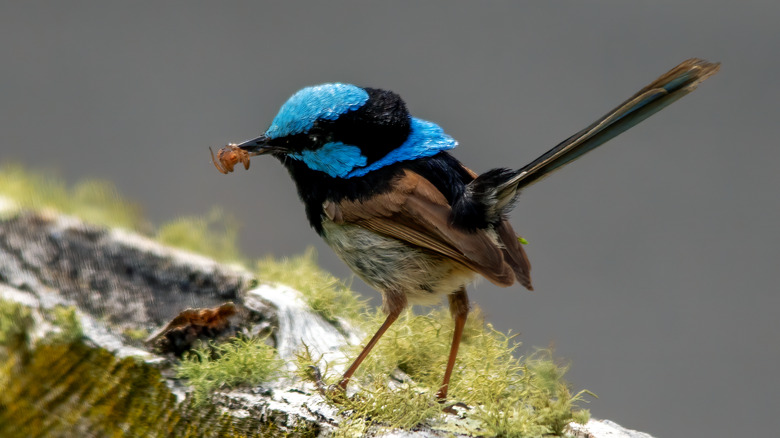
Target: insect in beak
pixel 232 154
pixel 229 156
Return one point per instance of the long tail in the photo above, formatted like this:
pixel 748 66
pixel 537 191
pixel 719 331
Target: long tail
pixel 663 91
pixel 498 188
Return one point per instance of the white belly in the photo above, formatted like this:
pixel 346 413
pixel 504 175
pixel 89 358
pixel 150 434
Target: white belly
pixel 387 264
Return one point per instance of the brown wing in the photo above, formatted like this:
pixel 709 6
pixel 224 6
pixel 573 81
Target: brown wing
pixel 514 254
pixel 415 211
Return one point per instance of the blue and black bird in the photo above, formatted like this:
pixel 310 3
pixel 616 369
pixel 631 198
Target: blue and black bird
pixel 381 188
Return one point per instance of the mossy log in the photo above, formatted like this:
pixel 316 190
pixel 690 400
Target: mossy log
pixel 98 377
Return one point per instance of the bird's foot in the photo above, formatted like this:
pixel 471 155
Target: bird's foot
pixel 454 408
pixel 334 393
pixel 441 397
pixel 316 377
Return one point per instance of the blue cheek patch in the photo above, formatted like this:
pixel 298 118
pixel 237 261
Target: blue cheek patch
pixel 341 160
pixel 335 159
pixel 326 102
pixel 426 139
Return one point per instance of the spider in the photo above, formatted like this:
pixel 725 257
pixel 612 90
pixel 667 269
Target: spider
pixel 229 156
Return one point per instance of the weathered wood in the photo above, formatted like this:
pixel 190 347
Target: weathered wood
pixel 120 281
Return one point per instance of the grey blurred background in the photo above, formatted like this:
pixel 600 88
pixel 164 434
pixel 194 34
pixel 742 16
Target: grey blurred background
pixel 655 258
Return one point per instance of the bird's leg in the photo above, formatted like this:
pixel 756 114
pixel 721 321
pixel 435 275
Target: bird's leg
pixel 393 304
pixel 459 308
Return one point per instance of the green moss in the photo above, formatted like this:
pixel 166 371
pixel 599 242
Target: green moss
pixel 62 389
pixel 16 322
pixel 305 364
pixel 525 398
pixel 582 416
pixel 326 294
pixel 94 201
pixel 404 406
pixel 135 335
pixel 240 361
pixel 68 324
pixel 74 390
pixel 507 396
pixel 214 235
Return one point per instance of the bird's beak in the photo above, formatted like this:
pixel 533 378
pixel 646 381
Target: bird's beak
pixel 257 146
pixel 232 154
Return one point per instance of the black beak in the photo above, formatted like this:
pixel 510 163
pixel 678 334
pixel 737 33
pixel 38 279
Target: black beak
pixel 259 146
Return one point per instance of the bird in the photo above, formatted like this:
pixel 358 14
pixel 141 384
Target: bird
pixel 384 192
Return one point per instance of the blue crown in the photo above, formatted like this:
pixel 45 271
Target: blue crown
pixel 321 102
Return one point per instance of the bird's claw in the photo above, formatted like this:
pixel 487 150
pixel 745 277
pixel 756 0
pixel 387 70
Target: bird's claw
pixel 450 409
pixel 331 392
pixel 316 376
pixel 228 157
